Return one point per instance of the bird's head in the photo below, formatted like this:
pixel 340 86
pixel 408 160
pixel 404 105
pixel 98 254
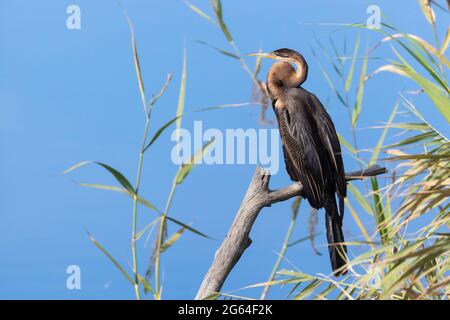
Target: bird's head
pixel 283 54
pixel 289 56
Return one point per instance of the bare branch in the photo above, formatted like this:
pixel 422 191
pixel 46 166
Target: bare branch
pixel 237 240
pixel 368 172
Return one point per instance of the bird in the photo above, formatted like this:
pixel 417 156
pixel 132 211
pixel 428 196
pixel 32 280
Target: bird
pixel 311 148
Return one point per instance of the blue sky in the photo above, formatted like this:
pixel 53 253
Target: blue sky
pixel 72 95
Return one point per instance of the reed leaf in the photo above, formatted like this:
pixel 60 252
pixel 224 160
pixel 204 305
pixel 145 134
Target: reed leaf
pixel 360 93
pixel 116 174
pixel 111 258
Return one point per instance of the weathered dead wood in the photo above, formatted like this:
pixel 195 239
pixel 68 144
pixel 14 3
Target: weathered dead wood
pixel 237 240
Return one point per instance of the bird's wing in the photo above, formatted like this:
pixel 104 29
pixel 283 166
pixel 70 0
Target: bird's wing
pixel 330 141
pixel 302 155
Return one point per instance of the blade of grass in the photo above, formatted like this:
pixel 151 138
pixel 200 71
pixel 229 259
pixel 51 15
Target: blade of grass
pixel 360 93
pixel 172 239
pixel 419 41
pixel 187 227
pixel 348 82
pixel 217 7
pixel 380 143
pixel 308 290
pixel 440 101
pixel 141 200
pixel 383 226
pixel 446 41
pixel 346 144
pixel 137 64
pixel 146 228
pixel 359 222
pixel 186 168
pixel 200 12
pixel 160 131
pixel 116 174
pixel 181 96
pixel 111 258
pixel 145 284
pixel 224 52
pixel 427 11
pixel 361 200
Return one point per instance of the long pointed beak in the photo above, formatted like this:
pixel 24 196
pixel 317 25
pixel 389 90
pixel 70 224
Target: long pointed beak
pixel 262 55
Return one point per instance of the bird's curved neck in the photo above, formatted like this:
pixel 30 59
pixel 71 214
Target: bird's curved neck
pixel 283 75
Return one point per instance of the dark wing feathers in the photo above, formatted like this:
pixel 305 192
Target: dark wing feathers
pixel 289 166
pixel 328 132
pixel 311 147
pixel 302 159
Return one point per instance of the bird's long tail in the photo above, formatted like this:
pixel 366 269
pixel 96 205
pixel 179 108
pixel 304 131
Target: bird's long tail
pixel 337 250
